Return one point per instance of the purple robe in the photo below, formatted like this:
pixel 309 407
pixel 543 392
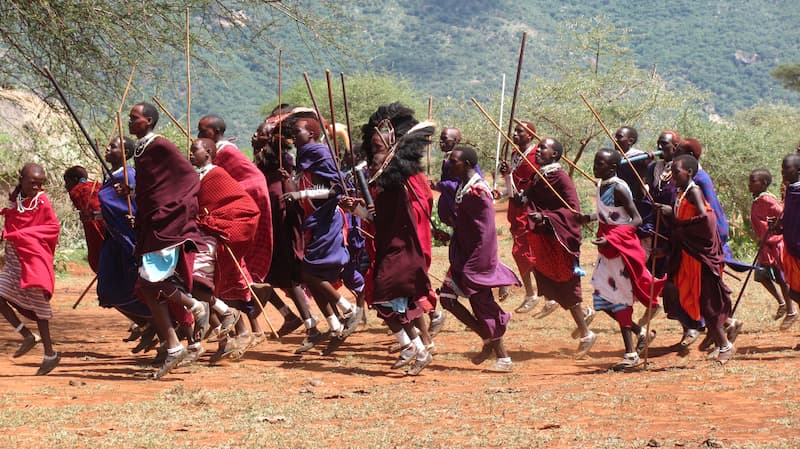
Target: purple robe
pixel 447 186
pixel 474 265
pixel 791 220
pixel 325 251
pixel 117 272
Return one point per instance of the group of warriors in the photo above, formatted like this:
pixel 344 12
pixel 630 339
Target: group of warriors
pixel 192 249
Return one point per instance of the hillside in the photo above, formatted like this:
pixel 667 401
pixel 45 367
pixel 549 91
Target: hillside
pixel 461 48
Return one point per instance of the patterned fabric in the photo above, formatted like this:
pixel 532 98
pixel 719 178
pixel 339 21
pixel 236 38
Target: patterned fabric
pixel 33 302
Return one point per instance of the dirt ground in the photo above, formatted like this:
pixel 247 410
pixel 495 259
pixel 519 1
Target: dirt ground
pixel 273 398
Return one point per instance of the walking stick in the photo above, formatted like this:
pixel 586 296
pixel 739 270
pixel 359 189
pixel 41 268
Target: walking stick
pixel 761 246
pixel 124 162
pixel 324 130
pixel 188 88
pixel 516 90
pixel 280 122
pixel 172 117
pixel 516 148
pixel 252 292
pixel 85 291
pixel 50 77
pixel 591 179
pixel 619 148
pixel 430 119
pixel 653 248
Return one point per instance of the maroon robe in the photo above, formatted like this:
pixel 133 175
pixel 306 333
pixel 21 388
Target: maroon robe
pixel 166 197
pixel 400 265
pixel 557 241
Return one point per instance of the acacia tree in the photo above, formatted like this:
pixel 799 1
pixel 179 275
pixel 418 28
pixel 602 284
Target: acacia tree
pixel 788 75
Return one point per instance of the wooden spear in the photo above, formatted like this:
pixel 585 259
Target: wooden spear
pixel 280 122
pixel 619 148
pixel 591 179
pixel 188 88
pixel 325 131
pixel 430 119
pixel 85 291
pixel 92 144
pixel 516 91
pixel 124 160
pixel 172 118
pixel 516 148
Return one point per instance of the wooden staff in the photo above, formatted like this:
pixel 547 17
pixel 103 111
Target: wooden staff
pixel 761 245
pixel 653 249
pixel 324 130
pixel 252 292
pixel 188 87
pixel 356 179
pixel 172 117
pixel 591 179
pixel 85 291
pixel 280 122
pixel 516 148
pixel 619 148
pixel 333 119
pixel 124 164
pixel 92 144
pixel 516 90
pixel 430 119
pixel 127 87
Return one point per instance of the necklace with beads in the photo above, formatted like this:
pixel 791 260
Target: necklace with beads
pixel 21 208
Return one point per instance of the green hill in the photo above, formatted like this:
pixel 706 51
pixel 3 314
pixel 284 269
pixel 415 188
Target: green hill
pixel 460 48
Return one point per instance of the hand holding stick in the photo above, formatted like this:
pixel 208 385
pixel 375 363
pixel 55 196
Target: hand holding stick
pixel 516 148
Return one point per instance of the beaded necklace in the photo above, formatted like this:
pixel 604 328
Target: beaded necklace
pixel 21 208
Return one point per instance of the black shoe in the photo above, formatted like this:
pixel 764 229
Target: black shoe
pixel 27 344
pixel 351 321
pixel 48 365
pixel 148 341
pixel 290 325
pixel 312 339
pixel 170 362
pixel 486 352
pixel 136 332
pixel 229 320
pixel 334 343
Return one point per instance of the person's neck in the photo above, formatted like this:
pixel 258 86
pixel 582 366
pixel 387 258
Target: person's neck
pixel 142 136
pixel 468 175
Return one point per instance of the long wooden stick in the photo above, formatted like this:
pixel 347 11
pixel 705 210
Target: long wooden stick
pixel 333 118
pixel 516 91
pixel 124 164
pixel 591 179
pixel 92 144
pixel 499 137
pixel 761 246
pixel 252 292
pixel 652 288
pixel 127 87
pixel 430 119
pixel 172 118
pixel 516 148
pixel 85 291
pixel 188 88
pixel 619 148
pixel 356 179
pixel 324 131
pixel 280 122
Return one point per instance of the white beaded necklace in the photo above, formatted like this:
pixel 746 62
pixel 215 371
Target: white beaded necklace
pixel 33 204
pixel 143 143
